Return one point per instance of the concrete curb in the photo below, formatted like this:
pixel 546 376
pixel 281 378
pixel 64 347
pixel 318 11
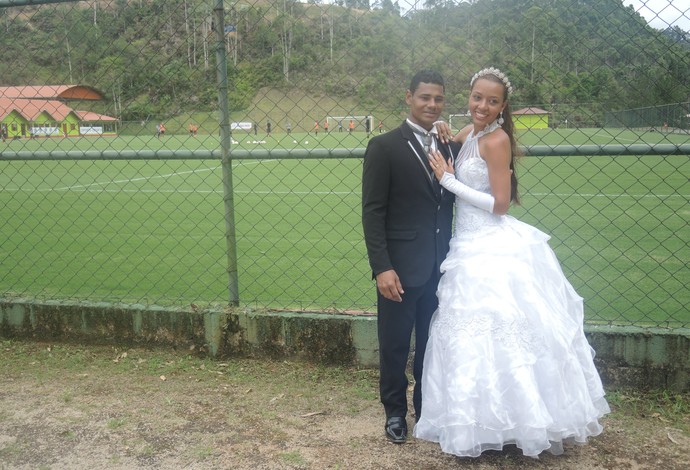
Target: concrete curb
pixel 625 356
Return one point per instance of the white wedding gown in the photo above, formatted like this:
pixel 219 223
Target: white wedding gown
pixel 507 361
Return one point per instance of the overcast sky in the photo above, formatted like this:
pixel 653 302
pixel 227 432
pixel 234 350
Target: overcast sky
pixel 661 13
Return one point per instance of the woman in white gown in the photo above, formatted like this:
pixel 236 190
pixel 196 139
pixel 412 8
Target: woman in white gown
pixel 507 360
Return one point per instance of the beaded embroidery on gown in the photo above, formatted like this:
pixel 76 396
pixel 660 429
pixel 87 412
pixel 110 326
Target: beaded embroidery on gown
pixel 507 361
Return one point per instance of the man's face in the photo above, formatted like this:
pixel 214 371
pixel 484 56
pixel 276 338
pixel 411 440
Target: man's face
pixel 426 104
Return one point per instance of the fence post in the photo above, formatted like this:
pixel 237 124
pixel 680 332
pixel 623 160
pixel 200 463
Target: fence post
pixel 225 143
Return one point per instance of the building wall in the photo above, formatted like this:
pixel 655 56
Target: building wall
pixel 46 126
pixel 625 356
pixel 72 124
pixel 14 122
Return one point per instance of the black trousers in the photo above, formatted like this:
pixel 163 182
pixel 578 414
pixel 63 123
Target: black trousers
pixel 396 320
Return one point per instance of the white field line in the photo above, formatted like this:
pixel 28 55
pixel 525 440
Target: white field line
pixel 132 180
pixel 564 195
pixel 97 187
pixel 129 180
pixel 149 178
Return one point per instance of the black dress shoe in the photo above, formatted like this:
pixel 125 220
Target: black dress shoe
pixel 396 429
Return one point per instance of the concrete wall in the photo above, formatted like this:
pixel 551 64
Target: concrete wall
pixel 625 356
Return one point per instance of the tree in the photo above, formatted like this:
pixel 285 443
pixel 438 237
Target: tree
pixel 389 7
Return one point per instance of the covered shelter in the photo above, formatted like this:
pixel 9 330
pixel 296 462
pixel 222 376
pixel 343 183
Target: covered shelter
pixel 91 123
pixel 531 118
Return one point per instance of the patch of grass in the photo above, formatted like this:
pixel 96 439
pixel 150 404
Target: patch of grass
pixel 115 423
pixel 203 452
pixel 69 435
pixel 146 451
pixel 10 450
pixel 293 458
pixel 671 408
pixel 282 382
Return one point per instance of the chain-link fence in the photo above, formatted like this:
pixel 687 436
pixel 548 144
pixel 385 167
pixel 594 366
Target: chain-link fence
pixel 206 153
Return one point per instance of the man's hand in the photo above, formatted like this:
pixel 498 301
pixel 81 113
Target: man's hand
pixel 389 285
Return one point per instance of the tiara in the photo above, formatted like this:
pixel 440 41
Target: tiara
pixel 496 73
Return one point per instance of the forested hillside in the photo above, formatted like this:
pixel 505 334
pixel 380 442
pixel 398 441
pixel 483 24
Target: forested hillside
pixel 157 56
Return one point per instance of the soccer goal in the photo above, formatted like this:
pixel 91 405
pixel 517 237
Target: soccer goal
pixel 458 121
pixel 350 123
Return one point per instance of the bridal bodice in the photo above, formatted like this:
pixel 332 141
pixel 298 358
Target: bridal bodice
pixel 471 169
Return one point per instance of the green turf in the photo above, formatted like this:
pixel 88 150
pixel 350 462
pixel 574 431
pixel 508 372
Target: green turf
pixel 154 232
pixel 298 140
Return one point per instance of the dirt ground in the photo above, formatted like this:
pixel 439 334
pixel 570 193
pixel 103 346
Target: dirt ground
pixel 96 407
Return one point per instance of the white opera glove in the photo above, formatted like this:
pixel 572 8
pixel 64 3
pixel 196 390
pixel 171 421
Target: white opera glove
pixel 476 198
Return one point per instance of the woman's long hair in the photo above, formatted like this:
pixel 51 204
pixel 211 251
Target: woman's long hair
pixel 509 129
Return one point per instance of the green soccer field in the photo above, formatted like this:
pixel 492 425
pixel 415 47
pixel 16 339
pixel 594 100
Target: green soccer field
pixel 301 140
pixel 152 231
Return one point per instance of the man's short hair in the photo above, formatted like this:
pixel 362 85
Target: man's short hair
pixel 426 76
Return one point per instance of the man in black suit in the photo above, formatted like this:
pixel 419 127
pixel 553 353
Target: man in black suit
pixel 407 219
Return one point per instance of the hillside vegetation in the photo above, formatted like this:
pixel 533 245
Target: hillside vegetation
pixel 156 57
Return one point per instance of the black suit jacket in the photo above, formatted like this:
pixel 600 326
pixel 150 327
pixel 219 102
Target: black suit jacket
pixel 406 216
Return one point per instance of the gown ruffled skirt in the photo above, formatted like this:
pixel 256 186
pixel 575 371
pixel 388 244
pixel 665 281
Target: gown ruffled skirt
pixel 507 360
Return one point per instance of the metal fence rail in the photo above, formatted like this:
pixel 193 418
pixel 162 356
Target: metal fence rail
pixel 240 201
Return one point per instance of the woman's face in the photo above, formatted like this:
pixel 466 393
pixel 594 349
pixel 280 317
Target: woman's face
pixel 486 102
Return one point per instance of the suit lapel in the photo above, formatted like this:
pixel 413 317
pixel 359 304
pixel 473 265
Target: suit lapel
pixel 423 161
pixel 418 152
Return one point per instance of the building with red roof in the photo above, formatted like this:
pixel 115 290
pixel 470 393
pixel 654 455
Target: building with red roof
pixel 42 111
pixel 531 118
